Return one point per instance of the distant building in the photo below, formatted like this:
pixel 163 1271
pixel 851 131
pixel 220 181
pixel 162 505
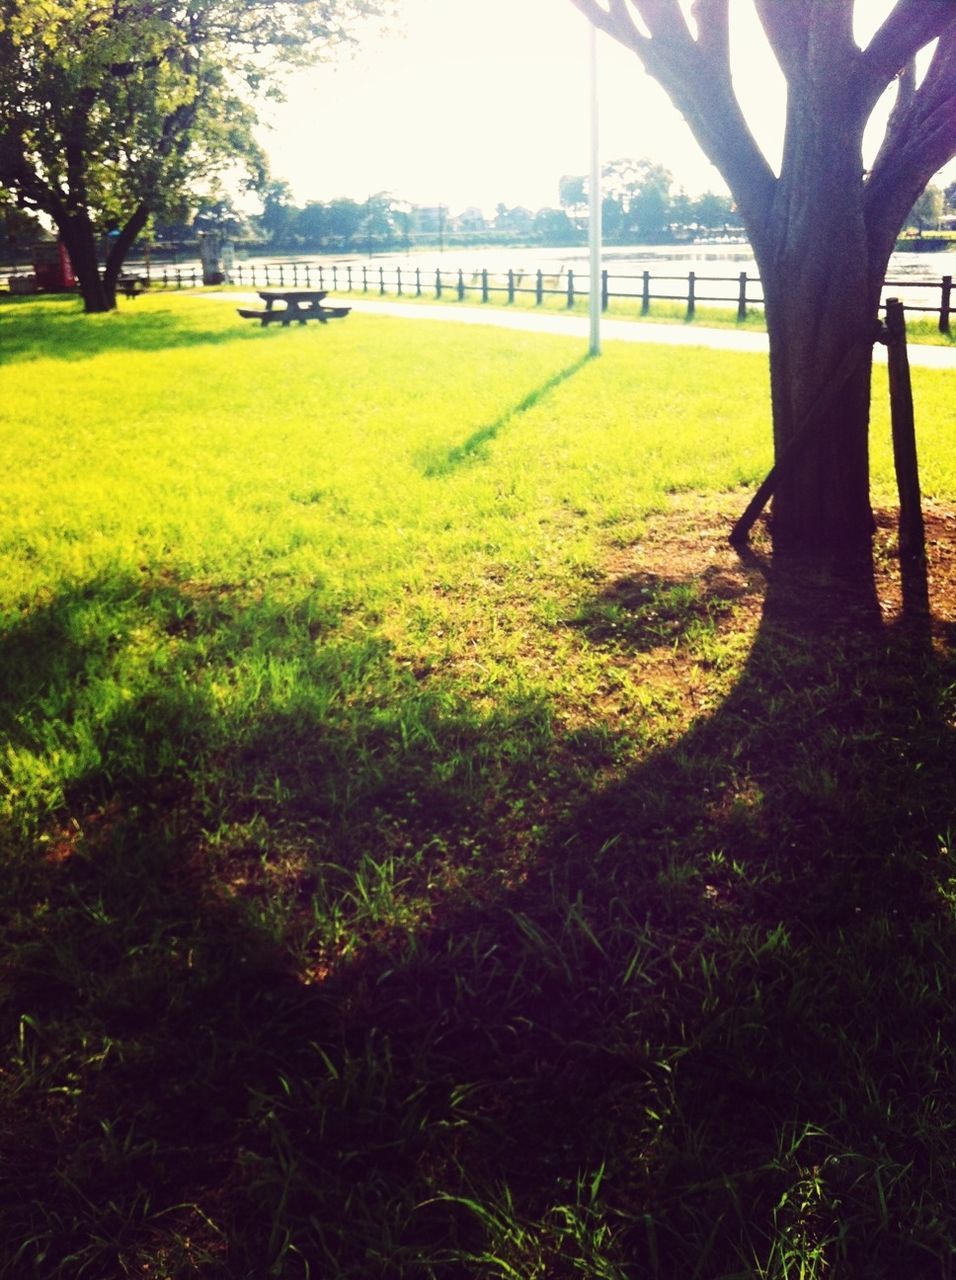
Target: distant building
pixel 470 219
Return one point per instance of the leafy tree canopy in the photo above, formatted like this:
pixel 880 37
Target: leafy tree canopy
pixel 928 208
pixel 109 112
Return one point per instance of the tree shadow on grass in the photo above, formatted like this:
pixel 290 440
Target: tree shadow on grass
pixel 473 448
pixel 694 1022
pixel 58 333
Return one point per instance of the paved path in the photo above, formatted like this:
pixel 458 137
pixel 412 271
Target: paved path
pixel 675 335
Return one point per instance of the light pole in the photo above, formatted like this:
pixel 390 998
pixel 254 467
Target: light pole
pixel 594 206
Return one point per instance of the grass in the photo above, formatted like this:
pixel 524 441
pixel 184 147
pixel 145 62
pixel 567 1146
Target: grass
pixel 427 851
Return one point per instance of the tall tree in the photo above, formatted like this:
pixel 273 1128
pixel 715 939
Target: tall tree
pixel 108 112
pixel 822 230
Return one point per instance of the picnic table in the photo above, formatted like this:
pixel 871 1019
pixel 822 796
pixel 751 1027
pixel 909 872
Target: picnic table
pixel 132 286
pixel 300 305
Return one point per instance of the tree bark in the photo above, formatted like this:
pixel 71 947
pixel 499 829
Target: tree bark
pixel 822 286
pixel 76 231
pixel 98 288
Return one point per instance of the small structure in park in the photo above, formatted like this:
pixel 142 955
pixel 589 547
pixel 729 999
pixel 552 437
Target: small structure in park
pixel 52 271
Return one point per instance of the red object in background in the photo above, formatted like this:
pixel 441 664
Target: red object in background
pixel 53 268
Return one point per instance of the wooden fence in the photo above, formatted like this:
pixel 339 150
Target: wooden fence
pixel 742 292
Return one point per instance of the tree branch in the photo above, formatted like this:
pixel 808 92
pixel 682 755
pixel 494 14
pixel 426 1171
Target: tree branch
pixel 786 24
pixel 920 140
pixel 909 27
pixel 713 28
pixel 696 76
pixel 615 22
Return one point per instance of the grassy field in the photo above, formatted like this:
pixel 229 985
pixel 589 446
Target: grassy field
pixel 427 850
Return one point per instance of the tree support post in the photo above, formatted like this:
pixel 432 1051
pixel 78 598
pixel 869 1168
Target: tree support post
pixel 808 431
pixel 912 537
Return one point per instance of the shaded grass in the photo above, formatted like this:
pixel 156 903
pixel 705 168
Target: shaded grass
pixel 414 865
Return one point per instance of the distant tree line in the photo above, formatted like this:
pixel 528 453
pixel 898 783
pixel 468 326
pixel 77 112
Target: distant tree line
pixel 639 203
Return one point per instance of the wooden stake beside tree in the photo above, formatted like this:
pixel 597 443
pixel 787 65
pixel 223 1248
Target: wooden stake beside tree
pixel 823 229
pixel 911 531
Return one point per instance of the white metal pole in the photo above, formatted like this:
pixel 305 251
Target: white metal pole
pixel 594 208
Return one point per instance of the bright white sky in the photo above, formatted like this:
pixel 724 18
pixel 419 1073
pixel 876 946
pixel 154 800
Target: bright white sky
pixel 479 101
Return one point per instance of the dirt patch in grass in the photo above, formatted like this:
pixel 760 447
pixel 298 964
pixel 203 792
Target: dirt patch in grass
pixel 688 543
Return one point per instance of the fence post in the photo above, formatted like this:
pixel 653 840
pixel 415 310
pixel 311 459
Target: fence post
pixel 281 275
pixel 295 273
pixel 646 294
pixel 911 533
pixel 365 279
pixel 348 271
pixel 605 296
pixel 308 276
pixel 945 304
pixel 484 284
pixel 418 282
pixel 398 280
pixel 438 282
pixel 461 286
pixel 691 292
pixel 570 287
pixel 381 280
pixel 335 276
pixel 266 270
pixel 511 285
pixel 742 297
pixel 539 288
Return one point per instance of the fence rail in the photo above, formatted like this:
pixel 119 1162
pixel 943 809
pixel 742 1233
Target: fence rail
pixel 743 291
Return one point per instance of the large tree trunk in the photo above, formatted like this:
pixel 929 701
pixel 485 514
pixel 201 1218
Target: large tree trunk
pixel 76 231
pixel 822 292
pixel 98 288
pixel 822 295
pixel 820 364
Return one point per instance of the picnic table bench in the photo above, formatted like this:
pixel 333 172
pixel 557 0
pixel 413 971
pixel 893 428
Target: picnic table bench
pixel 132 286
pixel 301 305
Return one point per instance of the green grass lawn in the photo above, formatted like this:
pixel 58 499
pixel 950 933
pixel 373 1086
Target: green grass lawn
pixel 426 851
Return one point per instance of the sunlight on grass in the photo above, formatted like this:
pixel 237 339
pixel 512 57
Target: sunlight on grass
pixel 405 873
